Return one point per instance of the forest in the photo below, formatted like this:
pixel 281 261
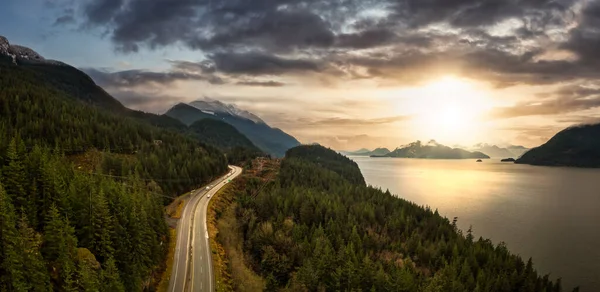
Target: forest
pixel 73 224
pixel 318 227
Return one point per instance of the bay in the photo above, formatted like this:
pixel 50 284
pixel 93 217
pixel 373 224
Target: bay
pixel 551 214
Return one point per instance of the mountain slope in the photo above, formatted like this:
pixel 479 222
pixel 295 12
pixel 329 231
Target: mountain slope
pixel 270 140
pixel 215 106
pixel 237 147
pixel 220 134
pixel 433 150
pixel 83 181
pixel 575 146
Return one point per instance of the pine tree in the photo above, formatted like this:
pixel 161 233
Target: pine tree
pixel 59 248
pixel 12 276
pixel 109 277
pixel 14 177
pixel 33 263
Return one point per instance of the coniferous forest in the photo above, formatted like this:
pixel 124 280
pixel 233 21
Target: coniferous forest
pixel 72 225
pixel 318 227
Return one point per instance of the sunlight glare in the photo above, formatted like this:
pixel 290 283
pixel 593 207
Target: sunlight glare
pixel 449 109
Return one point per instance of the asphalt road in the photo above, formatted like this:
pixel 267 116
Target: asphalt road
pixel 192 265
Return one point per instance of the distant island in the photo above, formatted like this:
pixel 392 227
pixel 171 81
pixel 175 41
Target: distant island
pixel 432 150
pixel 508 160
pixel 367 152
pixel 575 146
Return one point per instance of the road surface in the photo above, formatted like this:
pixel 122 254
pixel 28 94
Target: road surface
pixel 192 265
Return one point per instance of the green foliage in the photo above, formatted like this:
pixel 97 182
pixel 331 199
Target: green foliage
pixel 236 146
pixel 315 229
pixel 270 140
pixel 40 112
pixel 328 159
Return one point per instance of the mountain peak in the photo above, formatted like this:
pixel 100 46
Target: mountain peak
pixel 210 105
pixel 22 53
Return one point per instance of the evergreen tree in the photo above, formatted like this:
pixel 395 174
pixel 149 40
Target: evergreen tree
pixel 33 263
pixel 12 274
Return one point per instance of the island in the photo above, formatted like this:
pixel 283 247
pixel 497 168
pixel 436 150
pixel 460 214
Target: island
pixel 432 150
pixel 508 160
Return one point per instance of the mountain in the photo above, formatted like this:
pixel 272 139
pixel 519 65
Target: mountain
pixel 433 150
pixel 209 105
pixel 367 152
pixel 74 84
pixel 517 150
pixel 270 140
pixel 493 150
pixel 83 181
pixel 220 134
pixel 575 146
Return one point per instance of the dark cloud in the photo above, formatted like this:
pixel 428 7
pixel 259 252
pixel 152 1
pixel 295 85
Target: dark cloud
pixel 256 63
pixel 65 19
pixel 269 83
pixel 395 41
pixel 101 12
pixel 585 38
pixel 134 78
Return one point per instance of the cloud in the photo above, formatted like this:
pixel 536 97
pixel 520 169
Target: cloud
pixel 65 19
pixel 398 40
pixel 145 101
pixel 269 83
pixel 346 122
pixel 134 78
pixel 568 99
pixel 257 63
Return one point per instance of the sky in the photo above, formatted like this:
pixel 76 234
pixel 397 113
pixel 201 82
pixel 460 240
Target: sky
pixel 347 73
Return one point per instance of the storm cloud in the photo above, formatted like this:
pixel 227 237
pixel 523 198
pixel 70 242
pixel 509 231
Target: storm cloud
pixel 502 41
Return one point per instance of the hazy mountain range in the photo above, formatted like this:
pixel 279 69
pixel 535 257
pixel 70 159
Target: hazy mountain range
pixel 367 152
pixel 495 151
pixel 432 150
pixel 270 140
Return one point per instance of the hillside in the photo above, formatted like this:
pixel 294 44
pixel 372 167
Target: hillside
pixel 328 159
pixel 433 150
pixel 311 229
pixel 83 181
pixel 270 140
pixel 236 146
pixel 575 146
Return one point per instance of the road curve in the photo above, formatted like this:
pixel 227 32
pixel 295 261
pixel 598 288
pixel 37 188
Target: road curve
pixel 192 265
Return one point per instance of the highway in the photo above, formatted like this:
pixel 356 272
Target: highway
pixel 192 265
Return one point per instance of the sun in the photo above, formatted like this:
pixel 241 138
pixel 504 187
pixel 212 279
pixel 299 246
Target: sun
pixel 449 109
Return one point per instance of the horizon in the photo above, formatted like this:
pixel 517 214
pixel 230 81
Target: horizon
pixel 366 76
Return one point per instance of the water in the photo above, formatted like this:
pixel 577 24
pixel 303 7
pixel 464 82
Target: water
pixel 551 214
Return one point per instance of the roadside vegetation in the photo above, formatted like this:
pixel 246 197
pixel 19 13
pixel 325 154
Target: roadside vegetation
pixel 232 271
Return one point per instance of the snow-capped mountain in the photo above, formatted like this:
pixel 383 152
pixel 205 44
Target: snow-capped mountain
pixel 211 106
pixel 22 53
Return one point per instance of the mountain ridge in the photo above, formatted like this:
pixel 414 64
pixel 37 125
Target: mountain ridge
pixel 577 146
pixel 432 150
pixel 270 140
